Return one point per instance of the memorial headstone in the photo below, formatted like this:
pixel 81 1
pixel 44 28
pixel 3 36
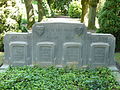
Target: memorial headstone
pixel 59 43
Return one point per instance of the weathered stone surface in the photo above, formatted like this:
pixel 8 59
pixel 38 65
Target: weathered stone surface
pixel 59 43
pixel 17 48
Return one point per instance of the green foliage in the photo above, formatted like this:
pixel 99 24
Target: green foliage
pixel 1 42
pixel 9 18
pixel 34 2
pixel 23 25
pixel 109 19
pixel 37 78
pixel 46 8
pixel 1 58
pixel 75 9
pixel 61 6
pixel 47 11
pixel 6 22
pixel 117 57
pixel 100 5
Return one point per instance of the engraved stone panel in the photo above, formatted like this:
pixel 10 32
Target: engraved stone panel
pixel 99 53
pixel 18 53
pixel 45 53
pixel 72 53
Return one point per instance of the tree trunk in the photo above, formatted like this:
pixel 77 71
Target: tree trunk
pixel 85 4
pixel 92 14
pixel 40 10
pixel 30 13
pixel 50 2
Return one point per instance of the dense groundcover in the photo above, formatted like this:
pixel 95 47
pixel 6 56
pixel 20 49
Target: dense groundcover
pixel 51 78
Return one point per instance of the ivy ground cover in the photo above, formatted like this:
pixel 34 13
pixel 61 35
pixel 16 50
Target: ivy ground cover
pixel 52 78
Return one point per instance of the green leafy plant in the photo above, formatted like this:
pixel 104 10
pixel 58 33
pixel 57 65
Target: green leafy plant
pixel 61 6
pixel 75 10
pixel 10 19
pixel 109 20
pixel 46 7
pixel 66 78
pixel 7 23
pixel 34 2
pixel 1 58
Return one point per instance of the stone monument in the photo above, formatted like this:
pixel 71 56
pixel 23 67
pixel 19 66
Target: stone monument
pixel 59 43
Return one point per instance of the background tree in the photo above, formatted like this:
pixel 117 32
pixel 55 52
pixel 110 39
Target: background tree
pixel 40 10
pixel 43 9
pixel 85 5
pixel 92 14
pixel 30 13
pixel 109 20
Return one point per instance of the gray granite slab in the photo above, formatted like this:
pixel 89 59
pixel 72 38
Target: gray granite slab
pixel 60 44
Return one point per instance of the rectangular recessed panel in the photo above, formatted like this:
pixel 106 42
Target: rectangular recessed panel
pixel 72 53
pixel 18 53
pixel 99 54
pixel 45 53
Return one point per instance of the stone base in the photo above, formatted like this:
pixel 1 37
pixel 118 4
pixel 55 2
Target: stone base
pixel 114 68
pixel 4 67
pixel 115 73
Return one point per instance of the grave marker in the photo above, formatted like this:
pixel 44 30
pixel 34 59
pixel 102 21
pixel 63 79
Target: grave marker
pixel 59 43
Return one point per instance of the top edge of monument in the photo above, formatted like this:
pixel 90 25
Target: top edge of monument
pixel 60 20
